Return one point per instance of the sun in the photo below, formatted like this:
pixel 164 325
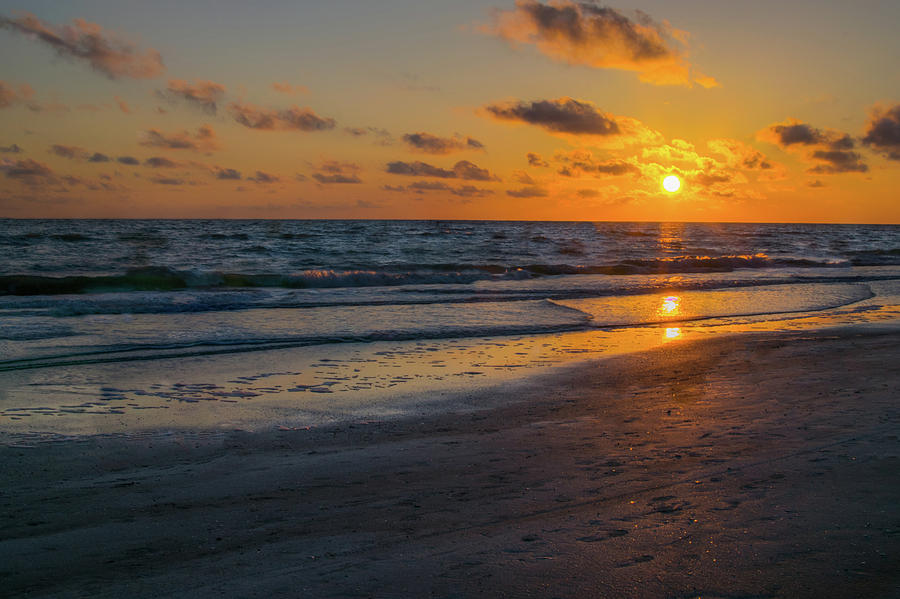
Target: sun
pixel 671 183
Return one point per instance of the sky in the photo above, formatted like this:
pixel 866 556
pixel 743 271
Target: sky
pixel 503 109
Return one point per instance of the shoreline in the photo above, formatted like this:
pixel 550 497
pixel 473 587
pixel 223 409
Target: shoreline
pixel 756 464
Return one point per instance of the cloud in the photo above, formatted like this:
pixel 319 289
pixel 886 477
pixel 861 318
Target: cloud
pixel 287 88
pixel 159 180
pixel 123 105
pixel 160 162
pixel 465 191
pixel 226 173
pixel 838 161
pixel 432 144
pixel 579 162
pixel 204 95
pixel 28 171
pixel 830 151
pixel 536 160
pixel 8 95
pixel 264 178
pixel 128 160
pixel 883 131
pixel 204 140
pixel 332 171
pixel 382 137
pixel 568 116
pixel 461 170
pixel 531 191
pixel 290 119
pixel 584 33
pixel 25 95
pixel 70 152
pixel 739 155
pixel 77 153
pixel 11 149
pixel 107 53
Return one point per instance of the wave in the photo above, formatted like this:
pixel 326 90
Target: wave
pixel 161 278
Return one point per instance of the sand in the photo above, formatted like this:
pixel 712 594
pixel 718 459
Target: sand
pixel 755 465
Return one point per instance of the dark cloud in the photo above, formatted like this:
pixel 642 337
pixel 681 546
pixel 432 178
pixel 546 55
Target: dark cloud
pixel 461 170
pixel 831 151
pixel 531 191
pixel 333 171
pixel 800 133
pixel 82 40
pixel 337 178
pixel 815 183
pixel 160 162
pixel 204 95
pixel 290 119
pixel 382 137
pixel 11 149
pixel 432 144
pixel 167 180
pixel 536 160
pixel 563 115
pixel 587 34
pixel 581 161
pixel 883 131
pixel 838 161
pixel 418 169
pixel 464 191
pixel 204 140
pixel 710 178
pixel 28 171
pixel 70 152
pixel 129 160
pixel 226 173
pixel 264 178
pixel 98 157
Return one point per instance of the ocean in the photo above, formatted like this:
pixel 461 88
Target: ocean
pixel 83 301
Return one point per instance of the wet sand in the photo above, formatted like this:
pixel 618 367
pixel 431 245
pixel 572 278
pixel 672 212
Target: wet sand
pixel 756 465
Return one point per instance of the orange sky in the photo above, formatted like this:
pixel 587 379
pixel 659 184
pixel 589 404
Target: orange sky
pixel 521 110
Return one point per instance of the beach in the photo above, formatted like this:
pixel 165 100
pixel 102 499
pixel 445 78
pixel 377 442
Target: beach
pixel 751 465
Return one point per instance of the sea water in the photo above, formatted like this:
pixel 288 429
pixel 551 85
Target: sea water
pixel 75 293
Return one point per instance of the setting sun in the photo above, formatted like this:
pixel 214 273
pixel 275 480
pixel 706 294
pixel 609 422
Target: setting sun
pixel 671 183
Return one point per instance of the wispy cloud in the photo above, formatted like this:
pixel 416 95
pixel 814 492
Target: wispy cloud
pixel 530 191
pixel 584 33
pixel 461 170
pixel 204 140
pixel 287 88
pixel 432 144
pixel 28 171
pixel 201 94
pixel 82 40
pixel 289 119
pixel 333 171
pixel 421 187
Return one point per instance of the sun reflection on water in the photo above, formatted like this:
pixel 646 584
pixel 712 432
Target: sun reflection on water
pixel 673 333
pixel 670 306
